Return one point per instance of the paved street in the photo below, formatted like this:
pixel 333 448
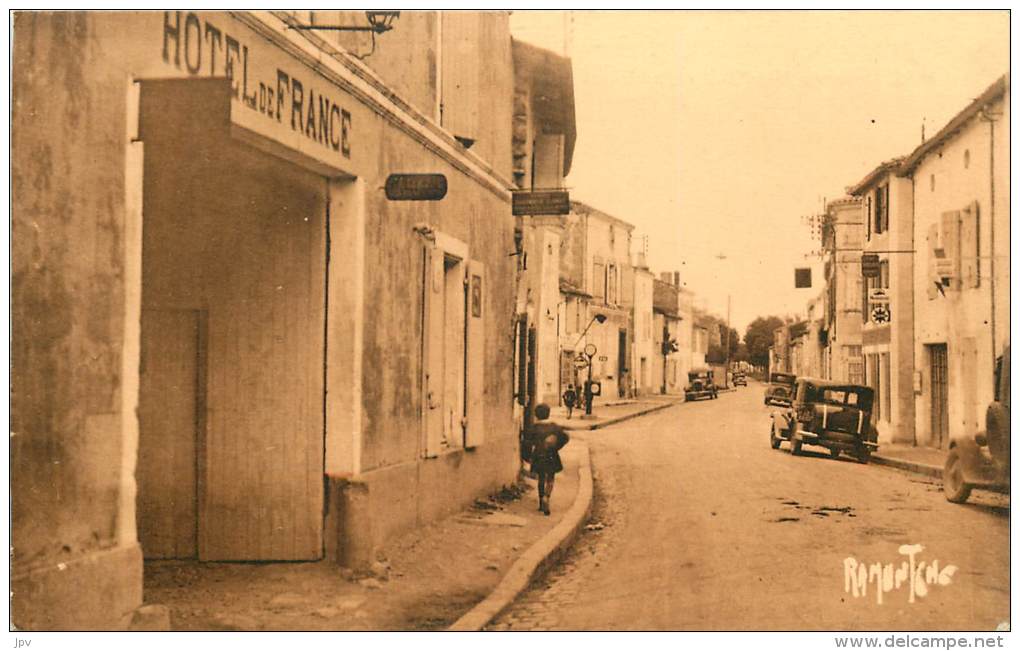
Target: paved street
pixel 704 527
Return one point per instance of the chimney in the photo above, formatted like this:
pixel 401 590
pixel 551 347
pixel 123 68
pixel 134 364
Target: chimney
pixel 666 277
pixel 676 279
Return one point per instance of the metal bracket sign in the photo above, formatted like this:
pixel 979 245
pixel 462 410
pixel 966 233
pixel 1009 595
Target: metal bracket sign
pixel 870 266
pixel 541 202
pixel 415 187
pixel 878 295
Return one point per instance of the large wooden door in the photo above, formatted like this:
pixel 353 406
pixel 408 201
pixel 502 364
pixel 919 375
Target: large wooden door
pixel 168 415
pixel 236 240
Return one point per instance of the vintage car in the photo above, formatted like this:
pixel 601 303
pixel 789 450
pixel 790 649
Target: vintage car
pixel 829 414
pixel 981 460
pixel 700 384
pixel 780 389
pixel 739 378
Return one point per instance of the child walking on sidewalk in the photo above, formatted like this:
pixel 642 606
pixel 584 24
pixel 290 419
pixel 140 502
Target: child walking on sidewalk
pixel 543 441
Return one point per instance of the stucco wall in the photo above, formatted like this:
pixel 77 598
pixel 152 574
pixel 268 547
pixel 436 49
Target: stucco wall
pixel 67 292
pixel 962 318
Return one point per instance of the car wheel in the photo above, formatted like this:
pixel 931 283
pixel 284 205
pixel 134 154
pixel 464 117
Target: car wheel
pixel 795 444
pixel 774 440
pixel 834 453
pixel 864 455
pixel 956 490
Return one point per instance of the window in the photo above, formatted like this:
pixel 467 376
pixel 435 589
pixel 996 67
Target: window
pixel 966 159
pixel 933 183
pixel 598 281
pixel 881 218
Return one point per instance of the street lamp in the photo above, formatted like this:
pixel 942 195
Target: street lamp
pixel 601 318
pixel 589 352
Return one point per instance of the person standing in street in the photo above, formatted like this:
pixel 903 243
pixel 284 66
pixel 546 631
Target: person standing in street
pixel 544 440
pixel 569 399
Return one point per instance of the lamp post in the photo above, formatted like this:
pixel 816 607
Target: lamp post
pixel 589 352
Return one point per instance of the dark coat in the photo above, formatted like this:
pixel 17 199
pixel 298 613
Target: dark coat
pixel 545 459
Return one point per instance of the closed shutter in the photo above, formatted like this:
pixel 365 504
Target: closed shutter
pixel 970 246
pixel 474 433
pixel 460 72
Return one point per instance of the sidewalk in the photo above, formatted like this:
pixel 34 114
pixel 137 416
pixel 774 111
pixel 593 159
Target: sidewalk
pixel 424 580
pixel 613 412
pixel 921 460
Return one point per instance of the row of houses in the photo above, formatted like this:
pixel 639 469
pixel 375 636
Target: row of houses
pixel 586 291
pixel 271 297
pixel 916 296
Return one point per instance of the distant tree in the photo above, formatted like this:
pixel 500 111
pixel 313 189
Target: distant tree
pixel 758 338
pixel 716 353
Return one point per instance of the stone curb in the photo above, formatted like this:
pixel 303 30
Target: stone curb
pixel 619 419
pixel 538 557
pixel 909 466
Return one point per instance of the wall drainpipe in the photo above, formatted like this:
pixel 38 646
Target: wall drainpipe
pixel 989 117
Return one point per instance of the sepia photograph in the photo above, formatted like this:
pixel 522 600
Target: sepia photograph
pixel 504 320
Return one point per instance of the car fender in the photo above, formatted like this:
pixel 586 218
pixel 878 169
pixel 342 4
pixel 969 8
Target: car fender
pixel 976 468
pixel 782 420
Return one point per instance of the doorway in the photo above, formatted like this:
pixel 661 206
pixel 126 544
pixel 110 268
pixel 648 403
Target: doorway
pixel 232 399
pixel 938 356
pixel 621 364
pixel 445 343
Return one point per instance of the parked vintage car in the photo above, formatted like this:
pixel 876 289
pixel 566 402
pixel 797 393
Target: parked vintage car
pixel 780 389
pixel 700 384
pixel 739 378
pixel 829 414
pixel 982 460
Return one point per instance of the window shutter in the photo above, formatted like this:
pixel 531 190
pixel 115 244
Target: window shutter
pixel 474 433
pixel 950 238
pixel 460 72
pixel 970 246
pixel 433 335
pixel 932 240
pixel 598 281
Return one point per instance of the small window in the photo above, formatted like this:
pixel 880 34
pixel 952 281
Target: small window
pixel 933 183
pixel 966 159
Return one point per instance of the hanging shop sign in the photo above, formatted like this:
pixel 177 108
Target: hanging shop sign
pixel 802 277
pixel 415 187
pixel 870 265
pixel 878 295
pixel 880 314
pixel 541 202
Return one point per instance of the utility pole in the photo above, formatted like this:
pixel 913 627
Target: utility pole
pixel 727 371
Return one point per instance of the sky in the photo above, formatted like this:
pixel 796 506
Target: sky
pixel 716 132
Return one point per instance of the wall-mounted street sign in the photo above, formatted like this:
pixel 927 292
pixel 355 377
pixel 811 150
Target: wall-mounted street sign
pixel 580 363
pixel 802 277
pixel 603 358
pixel 880 314
pixel 870 265
pixel 415 187
pixel 878 295
pixel 541 202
